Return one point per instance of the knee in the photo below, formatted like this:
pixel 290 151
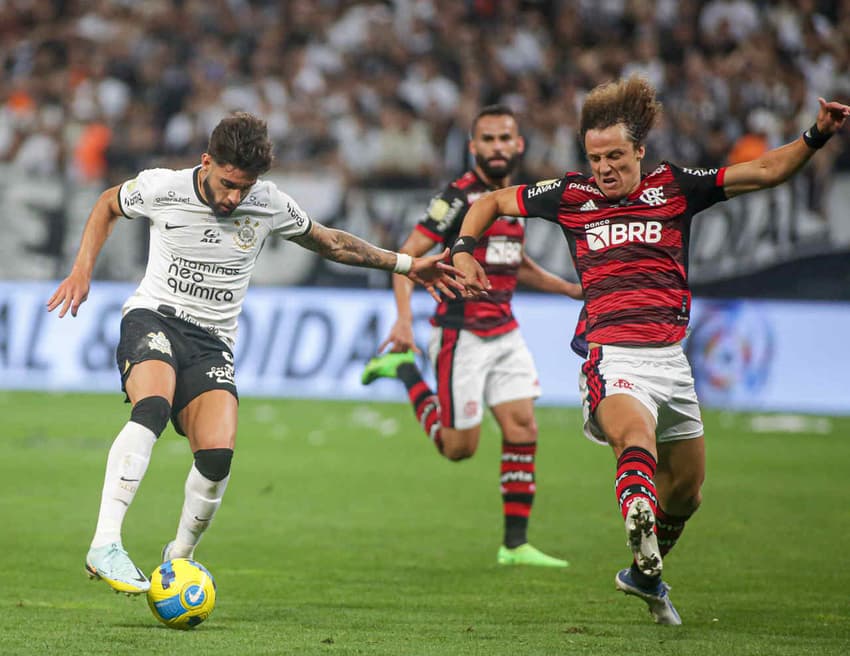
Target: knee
pixel 521 430
pixel 152 412
pixel 213 464
pixel 458 452
pixel 519 427
pixel 459 443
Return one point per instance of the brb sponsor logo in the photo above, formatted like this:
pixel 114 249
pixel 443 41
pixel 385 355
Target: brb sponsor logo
pixel 602 234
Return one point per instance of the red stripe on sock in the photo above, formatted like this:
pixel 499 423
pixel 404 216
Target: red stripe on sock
pixel 417 390
pixel 517 477
pixel 515 487
pixel 635 478
pixel 517 509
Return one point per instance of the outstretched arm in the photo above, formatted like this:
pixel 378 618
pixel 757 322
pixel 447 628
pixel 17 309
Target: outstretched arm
pixel 340 246
pixel 74 290
pixel 533 275
pixel 779 164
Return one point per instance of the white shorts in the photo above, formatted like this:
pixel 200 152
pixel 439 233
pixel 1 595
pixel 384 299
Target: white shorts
pixel 473 371
pixel 658 377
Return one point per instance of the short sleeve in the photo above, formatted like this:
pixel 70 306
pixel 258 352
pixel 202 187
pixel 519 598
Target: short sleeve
pixel 701 187
pixel 443 215
pixel 542 199
pixel 290 220
pixel 135 197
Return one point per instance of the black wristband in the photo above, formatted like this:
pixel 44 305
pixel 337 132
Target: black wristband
pixel 814 138
pixel 464 245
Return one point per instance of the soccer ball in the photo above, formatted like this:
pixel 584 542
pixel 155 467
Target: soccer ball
pixel 182 593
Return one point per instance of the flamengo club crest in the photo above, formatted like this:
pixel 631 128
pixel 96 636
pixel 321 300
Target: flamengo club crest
pixel 246 235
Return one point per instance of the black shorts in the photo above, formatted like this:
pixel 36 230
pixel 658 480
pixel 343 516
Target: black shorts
pixel 201 361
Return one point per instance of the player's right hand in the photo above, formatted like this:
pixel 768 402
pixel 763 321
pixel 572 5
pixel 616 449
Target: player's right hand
pixel 401 338
pixel 474 279
pixel 71 293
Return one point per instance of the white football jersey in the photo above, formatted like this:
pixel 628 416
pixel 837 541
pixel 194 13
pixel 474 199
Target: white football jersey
pixel 199 264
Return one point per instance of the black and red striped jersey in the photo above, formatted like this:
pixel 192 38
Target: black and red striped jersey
pixel 499 251
pixel 631 254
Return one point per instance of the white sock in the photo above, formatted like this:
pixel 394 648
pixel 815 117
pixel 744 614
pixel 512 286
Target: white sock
pixel 203 497
pixel 125 468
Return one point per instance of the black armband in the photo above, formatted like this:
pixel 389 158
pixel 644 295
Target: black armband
pixel 814 138
pixel 464 245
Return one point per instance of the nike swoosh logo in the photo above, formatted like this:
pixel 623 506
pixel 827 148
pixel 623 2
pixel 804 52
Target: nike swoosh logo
pixel 198 519
pixel 141 577
pixel 130 480
pixel 168 226
pixel 193 598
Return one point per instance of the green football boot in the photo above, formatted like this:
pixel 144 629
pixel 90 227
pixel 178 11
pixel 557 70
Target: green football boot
pixel 525 554
pixel 386 366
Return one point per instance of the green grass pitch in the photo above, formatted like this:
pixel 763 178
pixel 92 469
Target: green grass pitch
pixel 343 532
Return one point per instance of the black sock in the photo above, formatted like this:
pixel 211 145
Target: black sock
pixel 408 374
pixel 516 531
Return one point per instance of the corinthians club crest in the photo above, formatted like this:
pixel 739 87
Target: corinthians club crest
pixel 246 235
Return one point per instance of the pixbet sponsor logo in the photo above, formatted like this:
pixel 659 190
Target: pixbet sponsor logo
pixel 585 187
pixel 604 234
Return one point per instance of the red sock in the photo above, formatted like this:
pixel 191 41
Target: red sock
pixel 668 529
pixel 517 486
pixel 635 473
pixel 426 406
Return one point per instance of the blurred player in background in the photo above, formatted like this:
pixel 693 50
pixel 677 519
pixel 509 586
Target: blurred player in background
pixel 207 227
pixel 628 233
pixel 478 354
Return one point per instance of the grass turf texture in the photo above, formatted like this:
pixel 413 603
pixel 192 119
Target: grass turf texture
pixel 343 532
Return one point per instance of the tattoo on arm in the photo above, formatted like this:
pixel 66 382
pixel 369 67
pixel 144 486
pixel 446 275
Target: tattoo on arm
pixel 344 247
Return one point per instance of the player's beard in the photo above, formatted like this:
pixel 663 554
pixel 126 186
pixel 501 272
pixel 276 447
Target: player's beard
pixel 217 208
pixel 498 171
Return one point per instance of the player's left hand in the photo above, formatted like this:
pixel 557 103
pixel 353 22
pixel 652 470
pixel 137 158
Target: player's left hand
pixel 831 116
pixel 436 276
pixel 475 281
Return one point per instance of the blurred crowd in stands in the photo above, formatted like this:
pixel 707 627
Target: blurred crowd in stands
pixel 362 96
pixel 383 92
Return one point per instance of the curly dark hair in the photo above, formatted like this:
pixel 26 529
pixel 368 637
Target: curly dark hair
pixel 242 141
pixel 630 101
